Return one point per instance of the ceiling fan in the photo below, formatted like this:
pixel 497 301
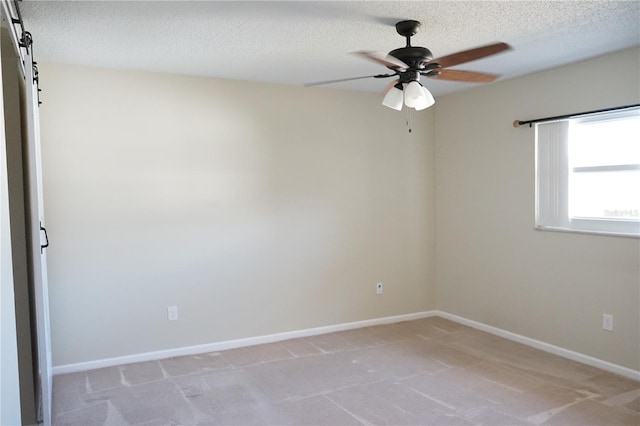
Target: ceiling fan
pixel 409 63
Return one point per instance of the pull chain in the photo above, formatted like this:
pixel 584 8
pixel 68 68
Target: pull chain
pixel 409 119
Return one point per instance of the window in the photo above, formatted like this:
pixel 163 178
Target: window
pixel 588 173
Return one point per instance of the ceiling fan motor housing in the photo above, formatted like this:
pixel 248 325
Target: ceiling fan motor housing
pixel 413 56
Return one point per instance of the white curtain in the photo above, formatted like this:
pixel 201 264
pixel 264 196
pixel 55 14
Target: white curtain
pixel 552 174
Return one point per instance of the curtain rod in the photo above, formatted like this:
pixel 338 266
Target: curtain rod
pixel 519 123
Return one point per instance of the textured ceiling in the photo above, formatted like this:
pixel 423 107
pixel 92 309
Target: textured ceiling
pixel 300 42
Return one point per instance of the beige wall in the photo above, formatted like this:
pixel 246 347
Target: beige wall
pixel 259 209
pixel 492 266
pixel 254 208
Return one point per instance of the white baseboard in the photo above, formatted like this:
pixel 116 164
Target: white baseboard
pixel 270 338
pixel 556 350
pixel 231 344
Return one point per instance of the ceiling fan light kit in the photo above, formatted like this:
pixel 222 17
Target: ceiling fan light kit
pixel 394 97
pixel 409 63
pixel 413 94
pixel 425 100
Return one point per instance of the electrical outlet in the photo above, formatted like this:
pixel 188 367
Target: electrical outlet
pixel 607 322
pixel 172 313
pixel 379 288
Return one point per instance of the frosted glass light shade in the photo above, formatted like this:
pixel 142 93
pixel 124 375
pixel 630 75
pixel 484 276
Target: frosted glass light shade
pixel 425 101
pixel 393 99
pixel 412 94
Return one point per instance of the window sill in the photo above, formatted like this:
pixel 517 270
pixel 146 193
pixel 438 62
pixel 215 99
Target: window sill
pixel 582 231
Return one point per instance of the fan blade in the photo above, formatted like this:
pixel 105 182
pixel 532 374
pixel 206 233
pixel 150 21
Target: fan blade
pixel 320 83
pixel 470 55
pixel 383 58
pixel 468 76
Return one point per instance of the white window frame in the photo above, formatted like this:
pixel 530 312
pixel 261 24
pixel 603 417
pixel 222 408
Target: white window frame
pixel 552 183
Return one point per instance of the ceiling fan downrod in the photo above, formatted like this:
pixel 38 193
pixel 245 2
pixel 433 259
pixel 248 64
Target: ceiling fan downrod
pixel 407 29
pixel 413 56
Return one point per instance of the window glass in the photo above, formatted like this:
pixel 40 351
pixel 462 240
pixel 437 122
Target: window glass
pixel 588 173
pixel 603 153
pixel 609 142
pixel 605 195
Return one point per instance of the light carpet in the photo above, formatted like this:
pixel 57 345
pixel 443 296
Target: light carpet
pixel 425 372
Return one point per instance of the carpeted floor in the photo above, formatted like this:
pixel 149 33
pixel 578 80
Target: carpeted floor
pixel 424 372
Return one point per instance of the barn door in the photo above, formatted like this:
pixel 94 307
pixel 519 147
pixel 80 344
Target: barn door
pixel 38 239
